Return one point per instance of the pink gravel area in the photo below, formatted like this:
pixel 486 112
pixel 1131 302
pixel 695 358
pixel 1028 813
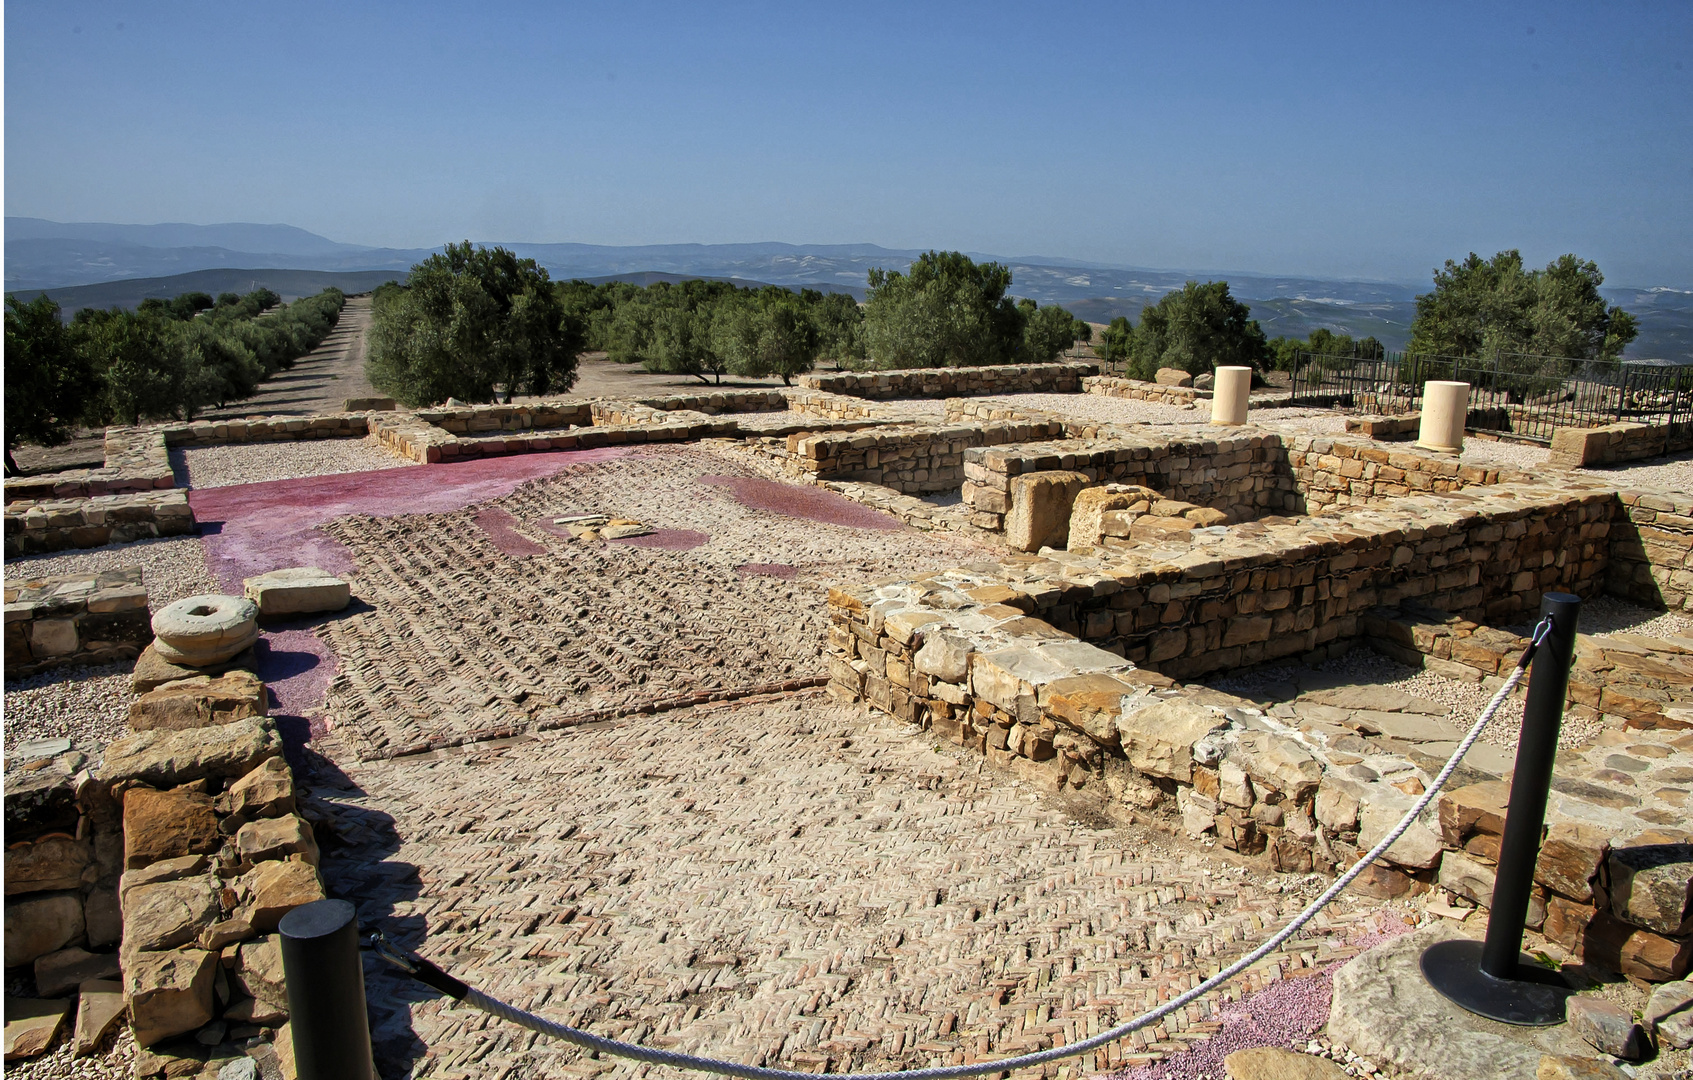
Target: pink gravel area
pixel 668 539
pixel 1281 1015
pixel 297 666
pixel 812 504
pixel 251 528
pixel 775 570
pixel 500 527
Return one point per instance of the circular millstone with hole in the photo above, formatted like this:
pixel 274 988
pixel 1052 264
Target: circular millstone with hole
pixel 202 630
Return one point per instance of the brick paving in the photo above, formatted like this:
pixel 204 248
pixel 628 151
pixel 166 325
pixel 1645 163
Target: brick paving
pixel 786 880
pixel 485 621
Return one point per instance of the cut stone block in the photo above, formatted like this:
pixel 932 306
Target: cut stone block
pixel 170 993
pixel 161 825
pixel 59 973
pixel 299 590
pixel 50 863
pixel 200 701
pixel 98 1010
pixel 168 758
pixel 1158 739
pixel 153 671
pixel 41 923
pixel 1040 509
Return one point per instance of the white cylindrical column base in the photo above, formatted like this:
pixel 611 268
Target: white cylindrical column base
pixel 1229 395
pixel 1446 405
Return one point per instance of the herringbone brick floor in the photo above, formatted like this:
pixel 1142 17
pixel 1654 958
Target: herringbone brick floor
pixel 781 881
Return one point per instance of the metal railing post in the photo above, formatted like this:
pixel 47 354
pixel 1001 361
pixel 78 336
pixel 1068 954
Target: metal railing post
pixel 326 1003
pixel 1493 978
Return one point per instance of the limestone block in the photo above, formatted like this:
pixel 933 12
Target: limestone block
pixel 1278 762
pixel 1570 858
pixel 98 1009
pixel 1652 886
pixel 274 838
pixel 1380 810
pixel 267 791
pixel 1606 1026
pixel 1089 703
pixel 944 656
pixel 168 914
pixel 1091 504
pixel 32 1024
pixel 1669 1014
pixel 1233 786
pixel 1004 675
pixel 1467 876
pixel 153 671
pixel 1158 739
pixel 1274 1063
pixel 272 889
pixel 1473 808
pixel 1337 804
pixel 41 923
pixel 168 758
pixel 169 993
pixel 298 590
pixel 258 969
pixel 1169 376
pixel 62 972
pixel 1040 509
pixel 200 701
pixel 167 825
pixel 53 862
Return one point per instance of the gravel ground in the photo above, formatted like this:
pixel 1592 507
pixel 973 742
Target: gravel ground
pixel 88 704
pixel 1364 667
pixel 116 1062
pixel 1498 454
pixel 1674 473
pixel 1609 615
pixel 171 568
pixel 1106 410
pixel 223 466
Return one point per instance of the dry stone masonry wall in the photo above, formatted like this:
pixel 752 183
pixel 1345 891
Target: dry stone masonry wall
pixel 75 619
pixel 32 527
pixel 1061 378
pixel 1161 393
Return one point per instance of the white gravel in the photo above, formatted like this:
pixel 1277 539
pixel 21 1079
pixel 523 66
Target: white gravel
pixel 171 568
pixel 1498 454
pixel 1672 473
pixel 251 463
pixel 1106 410
pixel 87 704
pixel 115 1062
pixel 1609 615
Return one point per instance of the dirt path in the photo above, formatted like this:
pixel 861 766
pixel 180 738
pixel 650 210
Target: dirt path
pixel 319 382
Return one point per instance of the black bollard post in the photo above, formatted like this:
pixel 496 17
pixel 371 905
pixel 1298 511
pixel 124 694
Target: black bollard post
pixel 1493 978
pixel 326 1005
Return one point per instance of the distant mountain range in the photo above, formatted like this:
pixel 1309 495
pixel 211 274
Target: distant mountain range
pixel 94 264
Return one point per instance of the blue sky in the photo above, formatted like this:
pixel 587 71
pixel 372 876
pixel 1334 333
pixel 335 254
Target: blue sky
pixel 1357 139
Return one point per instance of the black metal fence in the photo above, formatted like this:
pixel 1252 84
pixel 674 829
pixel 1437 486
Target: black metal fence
pixel 1529 397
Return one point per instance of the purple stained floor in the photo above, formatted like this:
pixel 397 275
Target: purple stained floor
pixel 249 529
pixel 813 504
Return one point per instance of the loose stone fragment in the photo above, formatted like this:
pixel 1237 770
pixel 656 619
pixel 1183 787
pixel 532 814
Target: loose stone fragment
pixel 1274 1063
pixel 98 1009
pixel 61 972
pixel 1606 1026
pixel 32 1024
pixel 267 791
pixel 1669 1014
pixel 170 993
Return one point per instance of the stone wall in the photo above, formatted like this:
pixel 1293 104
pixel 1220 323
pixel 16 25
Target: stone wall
pixel 1576 447
pixel 347 425
pixel 970 658
pixel 137 459
pixel 831 406
pixel 34 527
pixel 76 619
pixel 1112 386
pixel 1651 555
pixel 1059 378
pixel 485 419
pixel 1243 474
pixel 1621 680
pixel 908 459
pixel 163 870
pixel 1340 472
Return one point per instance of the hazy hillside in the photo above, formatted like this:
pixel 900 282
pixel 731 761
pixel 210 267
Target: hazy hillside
pixel 159 258
pixel 291 284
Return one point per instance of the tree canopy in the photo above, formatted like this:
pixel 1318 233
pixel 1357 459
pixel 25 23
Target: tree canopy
pixel 1484 307
pixel 48 382
pixel 470 322
pixel 946 311
pixel 1196 328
